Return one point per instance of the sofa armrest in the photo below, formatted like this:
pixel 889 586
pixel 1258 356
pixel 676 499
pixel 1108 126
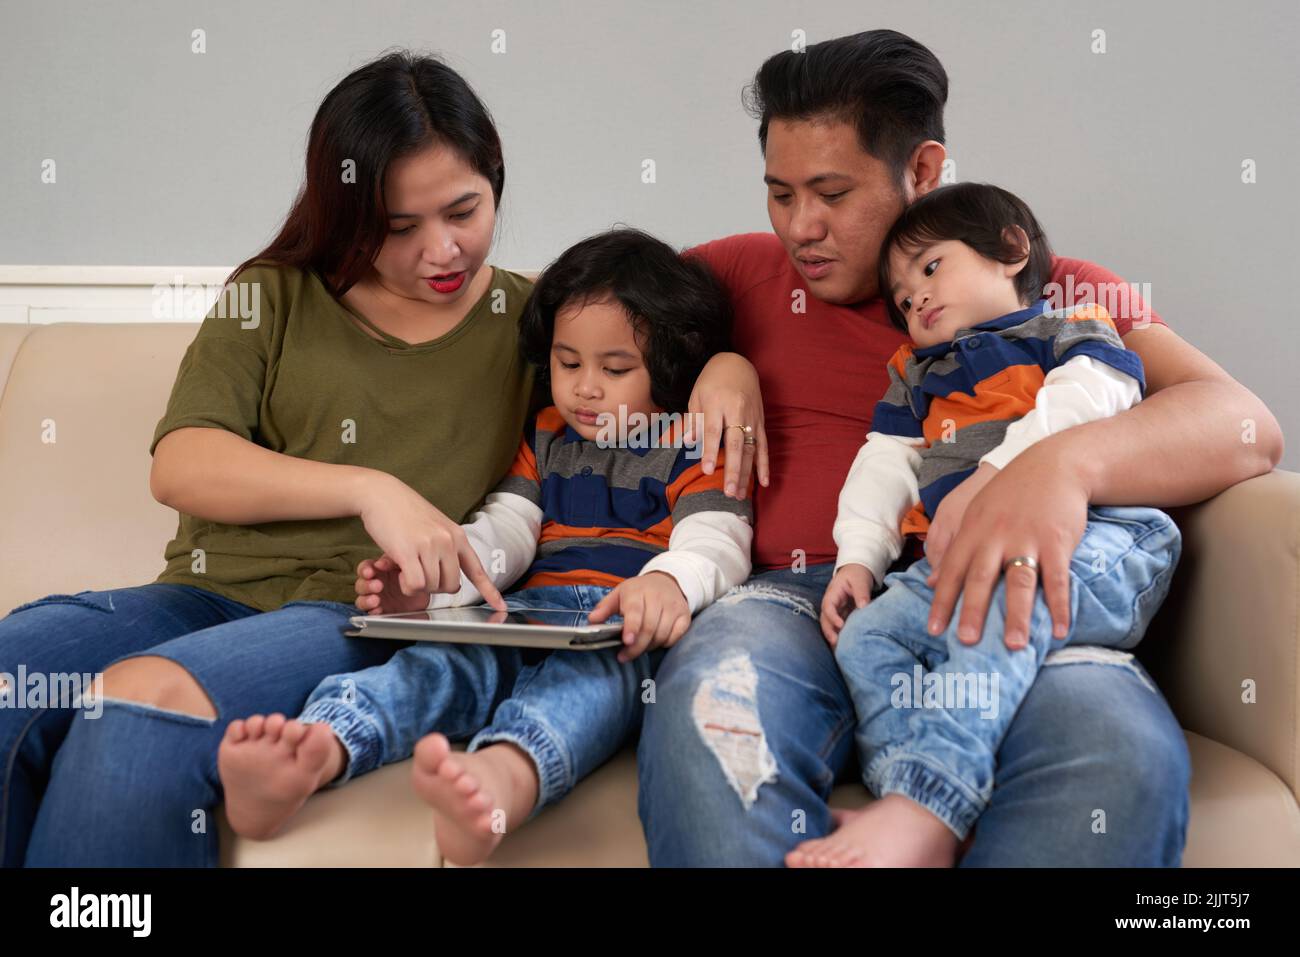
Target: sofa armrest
pixel 1232 617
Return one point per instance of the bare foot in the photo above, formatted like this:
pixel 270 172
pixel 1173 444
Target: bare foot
pixel 270 766
pixel 473 796
pixel 892 832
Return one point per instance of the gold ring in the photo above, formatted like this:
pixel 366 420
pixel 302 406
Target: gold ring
pixel 748 430
pixel 1026 561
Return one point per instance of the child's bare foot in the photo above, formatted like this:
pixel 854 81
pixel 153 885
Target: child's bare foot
pixel 892 832
pixel 473 796
pixel 270 766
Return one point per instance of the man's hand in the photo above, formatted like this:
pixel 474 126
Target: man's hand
pixel 726 393
pixel 948 518
pixel 849 589
pixel 655 613
pixel 1036 508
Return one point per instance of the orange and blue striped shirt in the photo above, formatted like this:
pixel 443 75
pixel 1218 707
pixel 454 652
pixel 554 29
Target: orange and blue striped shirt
pixel 606 511
pixel 960 396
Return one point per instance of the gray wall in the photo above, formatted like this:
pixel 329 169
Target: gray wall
pixel 1131 158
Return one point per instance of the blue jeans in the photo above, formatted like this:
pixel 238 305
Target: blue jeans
pixel 138 784
pixel 754 725
pixel 932 711
pixel 570 711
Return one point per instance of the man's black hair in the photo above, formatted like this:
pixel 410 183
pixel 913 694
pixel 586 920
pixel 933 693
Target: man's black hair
pixel 890 88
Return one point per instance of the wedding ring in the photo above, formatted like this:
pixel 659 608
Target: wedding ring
pixel 749 433
pixel 1027 561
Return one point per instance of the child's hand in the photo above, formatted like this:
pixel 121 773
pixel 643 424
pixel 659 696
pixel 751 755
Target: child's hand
pixel 379 592
pixel 655 613
pixel 849 589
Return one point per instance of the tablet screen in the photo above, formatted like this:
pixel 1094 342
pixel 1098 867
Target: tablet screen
pixel 477 615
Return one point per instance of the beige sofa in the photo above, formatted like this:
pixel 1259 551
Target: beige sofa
pixel 78 515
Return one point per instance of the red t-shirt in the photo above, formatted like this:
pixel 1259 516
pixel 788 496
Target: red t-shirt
pixel 822 372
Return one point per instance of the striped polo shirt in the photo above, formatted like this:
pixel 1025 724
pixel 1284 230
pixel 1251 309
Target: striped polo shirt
pixel 960 396
pixel 607 511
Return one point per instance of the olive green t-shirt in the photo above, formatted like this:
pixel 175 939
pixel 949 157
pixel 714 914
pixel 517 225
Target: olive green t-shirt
pixel 284 364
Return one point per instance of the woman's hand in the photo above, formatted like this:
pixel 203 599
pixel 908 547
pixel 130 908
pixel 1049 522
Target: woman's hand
pixel 952 510
pixel 849 589
pixel 655 612
pixel 430 550
pixel 727 393
pixel 1036 508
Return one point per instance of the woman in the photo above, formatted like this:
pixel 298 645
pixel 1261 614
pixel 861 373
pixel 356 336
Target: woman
pixel 372 399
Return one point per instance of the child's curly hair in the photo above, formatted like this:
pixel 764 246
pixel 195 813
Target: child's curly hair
pixel 678 310
pixel 978 215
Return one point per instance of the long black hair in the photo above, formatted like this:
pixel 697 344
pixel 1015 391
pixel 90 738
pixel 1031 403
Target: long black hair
pixel 674 302
pixel 394 106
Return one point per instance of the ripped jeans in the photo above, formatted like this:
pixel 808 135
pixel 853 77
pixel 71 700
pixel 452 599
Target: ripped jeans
pixel 569 711
pixel 754 726
pixel 137 785
pixel 932 711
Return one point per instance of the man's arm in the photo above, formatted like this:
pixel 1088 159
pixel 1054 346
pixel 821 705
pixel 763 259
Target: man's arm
pixel 1198 432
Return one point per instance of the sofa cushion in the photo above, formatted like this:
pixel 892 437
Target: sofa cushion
pixel 78 513
pixel 1242 816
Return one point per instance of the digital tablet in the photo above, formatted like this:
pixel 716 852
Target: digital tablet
pixel 520 626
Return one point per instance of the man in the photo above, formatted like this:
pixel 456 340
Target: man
pixel 752 724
